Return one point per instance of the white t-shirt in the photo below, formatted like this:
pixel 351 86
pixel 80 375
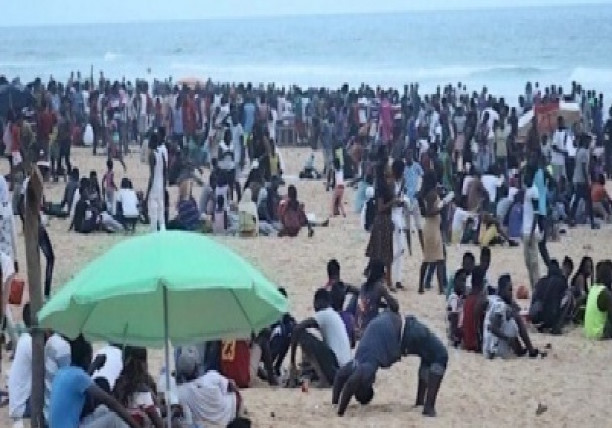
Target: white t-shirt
pixel 129 202
pixel 559 141
pixel 57 355
pixel 531 197
pixel 334 334
pixel 491 183
pixel 113 365
pixel 20 377
pixel 466 184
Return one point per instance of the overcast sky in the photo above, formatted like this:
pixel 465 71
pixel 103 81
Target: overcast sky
pixel 53 12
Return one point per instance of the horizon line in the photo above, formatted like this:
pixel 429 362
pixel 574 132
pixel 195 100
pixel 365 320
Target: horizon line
pixel 589 3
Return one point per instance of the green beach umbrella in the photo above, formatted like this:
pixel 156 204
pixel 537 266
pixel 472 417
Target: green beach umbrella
pixel 180 286
pixel 169 286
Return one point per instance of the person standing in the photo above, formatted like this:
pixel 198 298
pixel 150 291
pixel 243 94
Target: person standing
pixel 582 182
pixel 433 250
pixel 157 185
pixel 399 223
pixel 380 245
pixel 530 225
pixel 413 174
pixel 559 150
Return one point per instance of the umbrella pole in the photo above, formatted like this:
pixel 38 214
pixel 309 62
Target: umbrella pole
pixel 167 357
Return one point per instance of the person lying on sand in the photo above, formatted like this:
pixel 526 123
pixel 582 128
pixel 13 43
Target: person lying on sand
pixel 379 348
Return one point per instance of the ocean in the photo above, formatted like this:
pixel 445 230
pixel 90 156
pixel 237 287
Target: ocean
pixel 502 48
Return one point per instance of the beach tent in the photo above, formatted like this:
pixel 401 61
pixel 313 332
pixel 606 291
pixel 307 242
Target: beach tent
pixel 179 287
pixel 547 114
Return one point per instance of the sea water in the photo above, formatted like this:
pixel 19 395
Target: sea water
pixel 500 48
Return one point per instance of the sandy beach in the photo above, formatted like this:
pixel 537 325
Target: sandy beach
pixel 475 392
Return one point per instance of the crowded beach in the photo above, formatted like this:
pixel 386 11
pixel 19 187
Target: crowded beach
pixel 429 246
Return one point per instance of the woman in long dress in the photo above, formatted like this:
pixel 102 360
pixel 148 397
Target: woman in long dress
pixel 380 246
pixel 433 250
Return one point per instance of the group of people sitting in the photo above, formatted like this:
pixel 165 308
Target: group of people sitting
pixel 483 318
pixel 582 299
pixel 114 388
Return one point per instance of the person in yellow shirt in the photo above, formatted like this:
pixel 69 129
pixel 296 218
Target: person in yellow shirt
pixel 598 315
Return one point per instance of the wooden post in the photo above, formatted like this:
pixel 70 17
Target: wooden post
pixel 33 199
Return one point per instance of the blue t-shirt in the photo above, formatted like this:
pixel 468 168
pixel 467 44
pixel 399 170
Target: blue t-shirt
pixel 68 397
pixel 411 178
pixel 540 182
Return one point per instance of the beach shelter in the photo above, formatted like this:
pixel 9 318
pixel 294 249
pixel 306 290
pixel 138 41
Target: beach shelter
pixel 171 286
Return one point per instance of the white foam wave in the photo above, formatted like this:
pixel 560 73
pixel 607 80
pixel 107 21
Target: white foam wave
pixel 110 56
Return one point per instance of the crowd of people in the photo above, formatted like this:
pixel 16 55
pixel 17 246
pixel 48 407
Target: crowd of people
pixel 454 167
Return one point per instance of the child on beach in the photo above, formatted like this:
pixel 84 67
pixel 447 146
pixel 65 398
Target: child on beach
pixel 127 205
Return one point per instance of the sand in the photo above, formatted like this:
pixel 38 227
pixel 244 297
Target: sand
pixel 475 392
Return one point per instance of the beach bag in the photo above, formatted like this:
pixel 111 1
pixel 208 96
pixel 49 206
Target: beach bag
pixel 16 291
pixel 88 135
pixel 235 362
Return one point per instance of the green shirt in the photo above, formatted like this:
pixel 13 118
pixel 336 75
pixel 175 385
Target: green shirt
pixel 594 318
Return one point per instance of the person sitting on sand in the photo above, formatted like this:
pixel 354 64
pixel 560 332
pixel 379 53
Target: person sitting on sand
pixel 598 314
pixel 292 215
pixel 309 171
pixel 468 262
pixel 371 297
pixel 454 307
pixel 210 398
pixel 20 374
pixel 502 331
pixel 549 304
pixel 135 389
pixel 580 286
pixel 418 340
pixel 378 348
pixel 492 233
pixel 71 386
pixel 127 209
pixel 188 215
pixel 474 307
pixel 326 355
pixel 70 189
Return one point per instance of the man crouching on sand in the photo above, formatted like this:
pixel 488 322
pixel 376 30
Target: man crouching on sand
pixel 379 348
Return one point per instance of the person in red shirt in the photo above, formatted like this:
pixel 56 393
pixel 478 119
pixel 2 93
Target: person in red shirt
pixel 473 313
pixel 44 127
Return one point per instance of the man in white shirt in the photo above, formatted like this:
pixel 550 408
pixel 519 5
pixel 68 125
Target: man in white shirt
pixel 20 374
pixel 491 181
pixel 328 355
pixel 530 226
pixel 113 364
pixel 559 150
